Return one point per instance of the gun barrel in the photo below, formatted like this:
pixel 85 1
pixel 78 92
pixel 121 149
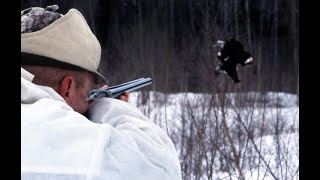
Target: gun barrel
pixel 116 86
pixel 129 87
pixel 116 91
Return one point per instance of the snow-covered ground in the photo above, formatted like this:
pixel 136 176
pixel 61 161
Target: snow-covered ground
pixel 264 129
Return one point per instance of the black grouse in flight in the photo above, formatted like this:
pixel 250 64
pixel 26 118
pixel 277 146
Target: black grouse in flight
pixel 230 55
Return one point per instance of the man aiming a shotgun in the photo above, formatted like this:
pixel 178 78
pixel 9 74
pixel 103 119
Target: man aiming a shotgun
pixel 59 60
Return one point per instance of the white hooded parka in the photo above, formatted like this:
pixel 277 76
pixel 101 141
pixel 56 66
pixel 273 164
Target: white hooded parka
pixel 117 143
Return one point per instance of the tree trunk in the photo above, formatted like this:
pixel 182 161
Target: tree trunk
pixel 260 47
pixel 275 45
pixel 225 17
pixel 248 25
pixel 236 25
pixel 295 31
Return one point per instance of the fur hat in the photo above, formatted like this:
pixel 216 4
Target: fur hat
pixel 52 39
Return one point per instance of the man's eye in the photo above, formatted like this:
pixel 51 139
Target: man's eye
pixel 94 86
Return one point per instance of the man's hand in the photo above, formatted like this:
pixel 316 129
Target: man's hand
pixel 124 97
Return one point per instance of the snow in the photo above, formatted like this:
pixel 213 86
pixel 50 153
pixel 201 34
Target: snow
pixel 272 119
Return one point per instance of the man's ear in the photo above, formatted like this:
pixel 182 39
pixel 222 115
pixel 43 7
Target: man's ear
pixel 67 89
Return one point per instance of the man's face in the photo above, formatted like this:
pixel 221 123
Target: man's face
pixel 80 103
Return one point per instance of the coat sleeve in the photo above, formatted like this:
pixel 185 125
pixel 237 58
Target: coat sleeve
pixel 134 147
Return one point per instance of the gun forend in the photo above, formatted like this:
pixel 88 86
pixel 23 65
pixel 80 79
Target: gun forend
pixel 116 91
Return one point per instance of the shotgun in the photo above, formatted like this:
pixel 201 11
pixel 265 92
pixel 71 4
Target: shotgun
pixel 116 91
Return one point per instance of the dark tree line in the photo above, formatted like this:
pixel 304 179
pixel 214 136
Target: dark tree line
pixel 171 41
pixel 218 135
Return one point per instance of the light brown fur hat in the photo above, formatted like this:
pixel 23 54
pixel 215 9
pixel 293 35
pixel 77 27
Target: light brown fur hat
pixel 53 39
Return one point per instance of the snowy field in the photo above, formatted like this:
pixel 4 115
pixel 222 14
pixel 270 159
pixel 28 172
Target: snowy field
pixel 264 131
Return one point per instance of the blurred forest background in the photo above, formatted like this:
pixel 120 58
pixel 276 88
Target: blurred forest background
pixel 172 41
pixel 220 129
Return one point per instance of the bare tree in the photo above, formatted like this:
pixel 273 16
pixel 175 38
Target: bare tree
pixel 248 24
pixel 236 21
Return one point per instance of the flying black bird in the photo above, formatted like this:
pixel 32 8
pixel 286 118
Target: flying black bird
pixel 230 55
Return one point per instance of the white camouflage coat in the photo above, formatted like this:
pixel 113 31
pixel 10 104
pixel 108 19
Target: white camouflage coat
pixel 120 143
